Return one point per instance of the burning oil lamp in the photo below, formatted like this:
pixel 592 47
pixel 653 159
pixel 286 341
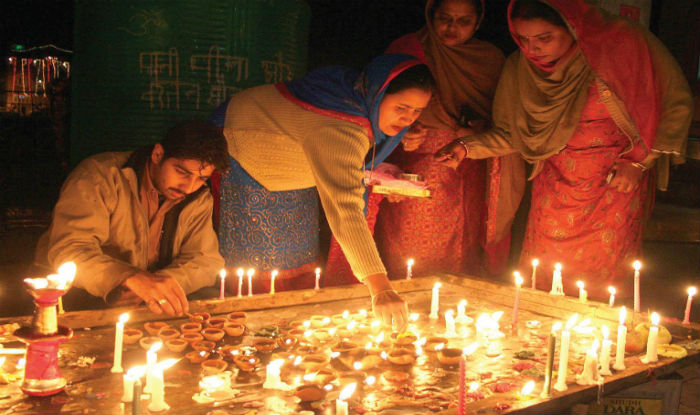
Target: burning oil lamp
pixel 41 374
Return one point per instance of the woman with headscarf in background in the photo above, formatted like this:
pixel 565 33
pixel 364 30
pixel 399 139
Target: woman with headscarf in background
pixel 593 102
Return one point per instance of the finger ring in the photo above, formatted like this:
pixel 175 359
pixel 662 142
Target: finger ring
pixel 162 301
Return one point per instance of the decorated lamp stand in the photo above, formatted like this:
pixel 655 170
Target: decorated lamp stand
pixel 43 338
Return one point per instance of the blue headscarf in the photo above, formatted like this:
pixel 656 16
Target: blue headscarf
pixel 355 96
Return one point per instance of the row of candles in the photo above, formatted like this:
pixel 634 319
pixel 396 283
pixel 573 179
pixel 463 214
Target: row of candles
pixel 240 272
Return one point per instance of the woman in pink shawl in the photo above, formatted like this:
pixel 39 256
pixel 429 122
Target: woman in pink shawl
pixel 593 102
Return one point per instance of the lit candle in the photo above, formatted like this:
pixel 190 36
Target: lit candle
pixel 557 283
pixel 462 317
pixel 518 283
pixel 691 292
pixel 119 343
pixel 612 292
pixel 409 268
pixel 590 376
pixel 136 393
pixel 158 389
pixel 272 374
pixel 652 341
pixel 527 390
pixel 582 293
pixel 535 263
pixel 240 273
pixel 450 324
pixel 564 354
pixel 341 405
pixel 250 273
pixel 151 358
pixel 435 301
pixel 222 275
pixel 130 377
pixel 318 279
pixel 67 272
pixel 605 353
pixel 462 403
pixel 637 266
pixel 551 347
pixel 621 340
pixel 273 275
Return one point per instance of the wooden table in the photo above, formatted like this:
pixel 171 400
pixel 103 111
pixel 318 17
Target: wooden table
pixel 95 390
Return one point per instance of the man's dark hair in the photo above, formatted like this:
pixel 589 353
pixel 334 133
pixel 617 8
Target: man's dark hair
pixel 533 9
pixel 417 76
pixel 197 140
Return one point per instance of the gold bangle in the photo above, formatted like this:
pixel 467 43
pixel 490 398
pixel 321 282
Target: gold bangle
pixel 466 148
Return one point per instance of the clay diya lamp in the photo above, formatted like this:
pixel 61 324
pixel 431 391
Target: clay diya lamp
pixel 199 317
pixel 168 333
pixel 131 336
pixel 228 352
pixel 153 327
pixel 310 392
pixel 401 357
pixel 319 321
pixel 343 334
pixel 213 334
pixel 432 344
pixel 216 322
pixel 213 367
pixel 237 317
pixel 286 341
pixel 449 356
pixel 203 346
pixel 191 327
pixel 313 362
pixel 395 376
pixel 323 376
pixel 296 332
pixel 322 335
pixel 147 342
pixel 246 363
pixel 176 345
pixel 371 361
pixel 234 329
pixel 197 356
pixel 192 337
pixel 404 339
pixel 339 320
pixel 264 344
pixel 346 348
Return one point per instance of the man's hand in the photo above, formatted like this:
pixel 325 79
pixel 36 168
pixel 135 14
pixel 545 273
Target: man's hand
pixel 387 304
pixel 626 176
pixel 161 293
pixel 414 137
pixel 451 154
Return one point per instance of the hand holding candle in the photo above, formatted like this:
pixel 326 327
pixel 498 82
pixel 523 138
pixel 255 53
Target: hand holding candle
pixel 119 343
pixel 691 292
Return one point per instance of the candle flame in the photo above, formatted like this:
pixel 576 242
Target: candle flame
pixel 462 304
pixel 410 262
pixel 572 322
pixel 637 265
pixel 357 365
pixel 334 355
pixel 692 291
pixel 655 318
pixel 384 355
pixel 240 272
pixel 20 363
pixel 306 323
pixel 497 316
pixel 136 372
pixel 375 324
pixel 368 345
pixel 332 331
pixel 251 272
pixel 437 285
pixel 165 364
pixel 518 278
pixel 67 271
pixel 309 376
pixel 123 318
pixel 414 316
pixel 556 326
pixel 274 273
pixel 606 332
pixel 363 313
pixel 612 290
pixel 371 380
pixel 380 338
pixel 473 387
pixel 326 321
pixel 297 360
pixel 328 387
pixel 535 262
pixel 557 266
pixel 317 271
pixel 623 315
pixel 222 273
pixel 37 283
pixel 439 346
pixel 351 325
pixel 528 388
pixel 275 366
pixel 467 351
pixel 347 392
pixel 594 347
pixel 449 314
pixel 155 347
pixel 346 314
pixel 579 284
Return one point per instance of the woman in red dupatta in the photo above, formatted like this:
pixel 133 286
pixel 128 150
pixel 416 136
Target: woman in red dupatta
pixel 592 101
pixel 443 233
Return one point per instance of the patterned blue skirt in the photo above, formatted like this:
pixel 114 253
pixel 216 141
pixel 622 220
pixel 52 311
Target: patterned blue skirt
pixel 266 230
